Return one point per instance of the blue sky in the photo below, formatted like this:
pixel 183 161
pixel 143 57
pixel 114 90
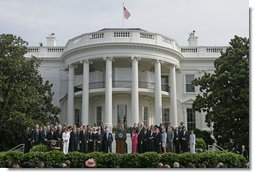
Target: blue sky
pixel 215 21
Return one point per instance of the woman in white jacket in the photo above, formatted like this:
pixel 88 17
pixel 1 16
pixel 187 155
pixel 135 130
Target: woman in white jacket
pixel 66 139
pixel 192 142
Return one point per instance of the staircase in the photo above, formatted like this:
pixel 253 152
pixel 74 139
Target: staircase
pixel 20 148
pixel 215 147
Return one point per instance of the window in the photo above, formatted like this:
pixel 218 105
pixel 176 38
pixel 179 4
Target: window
pixel 98 115
pixel 122 114
pixel 145 113
pixel 121 34
pixel 165 116
pixel 164 83
pixel 77 117
pixel 97 35
pixel 191 119
pixel 145 35
pixel 188 83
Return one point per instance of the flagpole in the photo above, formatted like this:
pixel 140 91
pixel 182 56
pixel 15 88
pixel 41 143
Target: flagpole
pixel 123 16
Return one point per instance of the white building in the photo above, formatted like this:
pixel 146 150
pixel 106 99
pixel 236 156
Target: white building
pixel 125 75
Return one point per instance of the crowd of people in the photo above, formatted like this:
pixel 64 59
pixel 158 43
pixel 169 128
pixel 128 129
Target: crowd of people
pixel 87 138
pixel 83 138
pixel 162 139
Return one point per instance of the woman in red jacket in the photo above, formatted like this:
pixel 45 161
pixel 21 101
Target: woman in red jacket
pixel 134 139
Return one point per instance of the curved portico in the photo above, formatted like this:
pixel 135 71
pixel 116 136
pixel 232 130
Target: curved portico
pixel 130 62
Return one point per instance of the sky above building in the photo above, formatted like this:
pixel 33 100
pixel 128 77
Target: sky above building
pixel 215 21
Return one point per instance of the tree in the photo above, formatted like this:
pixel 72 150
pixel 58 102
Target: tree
pixel 225 95
pixel 24 98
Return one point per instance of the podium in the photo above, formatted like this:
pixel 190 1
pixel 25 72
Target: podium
pixel 120 138
pixel 120 146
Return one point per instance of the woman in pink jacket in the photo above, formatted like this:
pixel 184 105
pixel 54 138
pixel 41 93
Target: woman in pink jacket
pixel 134 139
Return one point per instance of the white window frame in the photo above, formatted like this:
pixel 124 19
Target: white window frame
pixel 185 89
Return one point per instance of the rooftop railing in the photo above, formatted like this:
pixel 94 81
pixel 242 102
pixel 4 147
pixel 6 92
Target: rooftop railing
pixel 122 35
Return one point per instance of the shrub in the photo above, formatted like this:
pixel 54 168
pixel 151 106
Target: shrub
pixel 76 158
pixel 148 160
pixel 39 148
pixel 112 160
pixel 200 145
pixel 206 135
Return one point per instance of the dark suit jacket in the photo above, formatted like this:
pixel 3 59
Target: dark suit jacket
pixel 157 138
pixel 35 137
pixel 43 136
pixel 50 135
pixel 109 139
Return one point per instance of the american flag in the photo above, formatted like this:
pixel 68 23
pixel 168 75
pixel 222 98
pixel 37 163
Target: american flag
pixel 126 13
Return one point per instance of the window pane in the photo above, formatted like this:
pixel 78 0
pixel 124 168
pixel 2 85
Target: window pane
pixel 99 116
pixel 165 116
pixel 145 114
pixel 77 117
pixel 188 83
pixel 122 114
pixel 191 119
pixel 189 79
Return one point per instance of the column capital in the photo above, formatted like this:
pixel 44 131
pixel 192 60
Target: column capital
pixel 108 58
pixel 70 66
pixel 86 61
pixel 157 61
pixel 135 58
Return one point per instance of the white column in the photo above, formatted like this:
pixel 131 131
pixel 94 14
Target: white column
pixel 85 93
pixel 134 92
pixel 70 107
pixel 173 101
pixel 158 100
pixel 108 93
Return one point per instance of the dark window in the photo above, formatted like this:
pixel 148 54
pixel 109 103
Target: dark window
pixel 165 116
pixel 77 117
pixel 122 114
pixel 191 119
pixel 164 83
pixel 99 116
pixel 188 83
pixel 145 114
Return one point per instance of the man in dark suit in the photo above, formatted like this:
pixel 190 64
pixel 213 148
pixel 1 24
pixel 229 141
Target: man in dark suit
pixel 244 152
pixel 145 140
pixel 177 137
pixel 108 139
pixel 73 139
pixel 36 135
pixel 91 134
pixel 157 140
pixel 50 134
pixel 83 138
pixel 98 140
pixel 140 140
pixel 184 139
pixel 43 135
pixel 27 140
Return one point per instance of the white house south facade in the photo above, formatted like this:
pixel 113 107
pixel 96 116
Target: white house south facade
pixel 125 76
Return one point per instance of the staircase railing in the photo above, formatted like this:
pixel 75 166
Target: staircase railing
pixel 20 147
pixel 215 147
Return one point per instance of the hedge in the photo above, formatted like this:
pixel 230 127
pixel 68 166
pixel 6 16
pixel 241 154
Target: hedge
pixel 114 160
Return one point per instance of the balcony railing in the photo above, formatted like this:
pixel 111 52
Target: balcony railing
pixel 122 84
pixel 165 87
pixel 148 85
pixel 97 85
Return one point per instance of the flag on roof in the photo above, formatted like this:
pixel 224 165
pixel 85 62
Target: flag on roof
pixel 126 13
